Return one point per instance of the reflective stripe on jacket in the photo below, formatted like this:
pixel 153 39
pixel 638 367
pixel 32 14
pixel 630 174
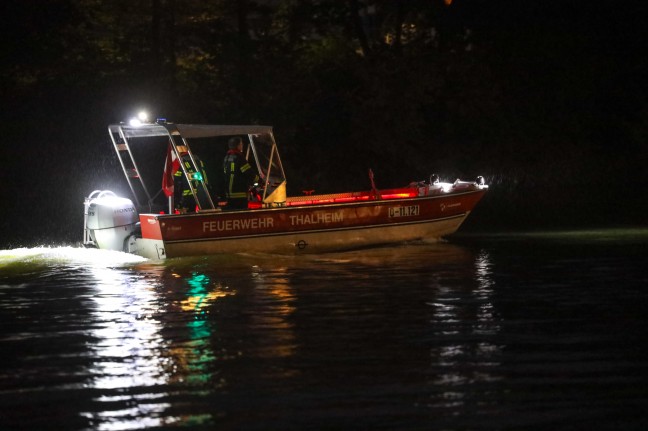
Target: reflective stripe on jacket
pixel 186 191
pixel 239 175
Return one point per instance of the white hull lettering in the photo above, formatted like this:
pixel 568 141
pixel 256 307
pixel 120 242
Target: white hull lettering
pixel 446 206
pixel 412 210
pixel 237 224
pixel 319 218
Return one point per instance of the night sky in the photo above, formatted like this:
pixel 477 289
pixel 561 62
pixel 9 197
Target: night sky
pixel 546 100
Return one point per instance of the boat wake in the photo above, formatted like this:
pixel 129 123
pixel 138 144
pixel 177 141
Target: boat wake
pixel 66 255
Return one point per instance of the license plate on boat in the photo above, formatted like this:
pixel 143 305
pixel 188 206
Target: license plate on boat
pixel 408 211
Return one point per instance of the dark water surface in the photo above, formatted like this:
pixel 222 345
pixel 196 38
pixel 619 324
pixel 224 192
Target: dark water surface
pixel 491 332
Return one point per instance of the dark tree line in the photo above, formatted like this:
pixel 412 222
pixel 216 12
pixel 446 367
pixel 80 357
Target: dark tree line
pixel 545 100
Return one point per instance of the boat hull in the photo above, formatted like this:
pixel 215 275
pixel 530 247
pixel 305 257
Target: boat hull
pixel 305 229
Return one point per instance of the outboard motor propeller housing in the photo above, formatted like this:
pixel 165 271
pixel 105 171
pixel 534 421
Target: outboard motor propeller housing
pixel 109 220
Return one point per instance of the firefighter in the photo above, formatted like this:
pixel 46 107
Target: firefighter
pixel 239 175
pixel 184 199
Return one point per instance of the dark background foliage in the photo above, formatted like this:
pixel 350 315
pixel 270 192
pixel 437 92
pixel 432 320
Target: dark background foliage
pixel 546 100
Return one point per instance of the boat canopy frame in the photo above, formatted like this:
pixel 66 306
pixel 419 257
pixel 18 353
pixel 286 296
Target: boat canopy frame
pixel 265 153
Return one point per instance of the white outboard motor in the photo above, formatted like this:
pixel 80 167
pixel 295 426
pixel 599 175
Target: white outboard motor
pixel 109 220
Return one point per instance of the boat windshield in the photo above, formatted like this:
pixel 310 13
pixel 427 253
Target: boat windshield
pixel 267 156
pixel 270 167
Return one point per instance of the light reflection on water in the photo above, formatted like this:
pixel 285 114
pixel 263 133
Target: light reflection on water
pixel 274 293
pixel 412 337
pixel 465 322
pixel 133 355
pixel 129 351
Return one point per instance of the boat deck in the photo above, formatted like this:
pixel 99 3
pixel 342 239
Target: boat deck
pixel 384 194
pixel 336 198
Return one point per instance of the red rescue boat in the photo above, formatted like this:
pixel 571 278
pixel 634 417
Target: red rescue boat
pixel 155 228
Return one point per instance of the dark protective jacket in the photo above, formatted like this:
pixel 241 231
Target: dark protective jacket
pixel 183 196
pixel 239 175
